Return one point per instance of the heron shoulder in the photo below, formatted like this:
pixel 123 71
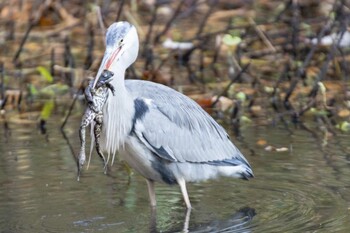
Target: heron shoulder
pixel 178 108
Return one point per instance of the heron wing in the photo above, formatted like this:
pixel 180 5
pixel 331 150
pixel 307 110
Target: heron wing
pixel 176 128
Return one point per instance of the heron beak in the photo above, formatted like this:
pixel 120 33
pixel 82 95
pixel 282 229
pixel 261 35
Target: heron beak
pixel 113 57
pixel 107 62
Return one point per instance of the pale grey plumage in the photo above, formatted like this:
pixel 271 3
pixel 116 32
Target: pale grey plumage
pixel 161 133
pixel 181 126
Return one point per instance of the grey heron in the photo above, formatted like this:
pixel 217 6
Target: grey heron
pixel 162 134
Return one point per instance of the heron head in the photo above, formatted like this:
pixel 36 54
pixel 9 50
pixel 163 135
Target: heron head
pixel 122 46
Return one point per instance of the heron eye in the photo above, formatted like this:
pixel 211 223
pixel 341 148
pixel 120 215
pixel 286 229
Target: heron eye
pixel 121 41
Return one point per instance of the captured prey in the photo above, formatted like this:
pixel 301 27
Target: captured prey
pixel 96 98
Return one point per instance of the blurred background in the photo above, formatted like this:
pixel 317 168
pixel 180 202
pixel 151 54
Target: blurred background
pixel 274 73
pixel 262 61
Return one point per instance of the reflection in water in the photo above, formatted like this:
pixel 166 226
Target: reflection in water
pixel 237 222
pixel 153 221
pixel 89 223
pixel 69 144
pixel 296 191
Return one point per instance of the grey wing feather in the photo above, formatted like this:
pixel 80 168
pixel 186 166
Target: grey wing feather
pixel 177 129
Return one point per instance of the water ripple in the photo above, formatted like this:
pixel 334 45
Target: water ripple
pixel 301 191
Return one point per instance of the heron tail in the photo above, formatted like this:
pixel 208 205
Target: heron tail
pixel 234 167
pixel 248 173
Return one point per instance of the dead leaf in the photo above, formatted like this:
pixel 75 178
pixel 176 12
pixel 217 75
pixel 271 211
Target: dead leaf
pixel 312 71
pixel 261 142
pixel 344 113
pixel 256 109
pixel 46 21
pixel 223 103
pixel 204 102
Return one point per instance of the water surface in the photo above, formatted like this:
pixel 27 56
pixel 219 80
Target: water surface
pixel 305 189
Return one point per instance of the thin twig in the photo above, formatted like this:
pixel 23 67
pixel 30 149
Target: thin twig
pixel 69 111
pixel 72 105
pixel 233 80
pixel 52 62
pixel 90 49
pixel 261 34
pixel 285 9
pixel 147 48
pixel 206 17
pixel 169 23
pixel 68 61
pixel 301 71
pixel 2 85
pixel 100 22
pixel 218 50
pixel 10 30
pixel 150 27
pixel 235 118
pixel 295 27
pixel 32 23
pixel 69 144
pixel 330 57
pixel 121 6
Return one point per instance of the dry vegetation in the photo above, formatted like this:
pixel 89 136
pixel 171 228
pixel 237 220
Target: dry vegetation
pixel 259 61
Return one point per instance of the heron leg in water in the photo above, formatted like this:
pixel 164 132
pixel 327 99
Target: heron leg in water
pixel 151 192
pixel 97 133
pixel 182 184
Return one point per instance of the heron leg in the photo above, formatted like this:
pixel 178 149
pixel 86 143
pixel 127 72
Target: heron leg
pixel 187 220
pixel 151 192
pixel 182 184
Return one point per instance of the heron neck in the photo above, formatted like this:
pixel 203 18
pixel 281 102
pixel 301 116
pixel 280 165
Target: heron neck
pixel 118 114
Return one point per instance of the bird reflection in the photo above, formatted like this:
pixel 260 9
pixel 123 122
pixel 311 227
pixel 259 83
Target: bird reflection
pixel 237 222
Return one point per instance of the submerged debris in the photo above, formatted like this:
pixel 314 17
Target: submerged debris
pixel 96 99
